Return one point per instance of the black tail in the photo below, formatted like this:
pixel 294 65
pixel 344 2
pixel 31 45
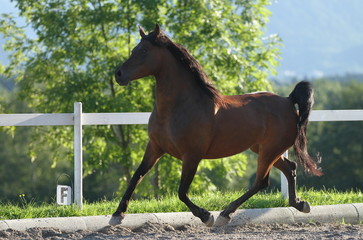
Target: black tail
pixel 302 95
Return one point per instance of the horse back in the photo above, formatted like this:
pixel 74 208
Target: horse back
pixel 250 119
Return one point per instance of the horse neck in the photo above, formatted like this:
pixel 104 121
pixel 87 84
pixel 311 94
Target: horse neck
pixel 175 85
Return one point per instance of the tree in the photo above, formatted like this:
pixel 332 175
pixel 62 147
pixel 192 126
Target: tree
pixel 79 44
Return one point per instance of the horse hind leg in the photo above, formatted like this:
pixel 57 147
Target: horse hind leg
pixel 265 163
pixel 288 168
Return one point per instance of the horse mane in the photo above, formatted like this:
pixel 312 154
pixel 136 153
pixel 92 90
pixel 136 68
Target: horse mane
pixel 180 53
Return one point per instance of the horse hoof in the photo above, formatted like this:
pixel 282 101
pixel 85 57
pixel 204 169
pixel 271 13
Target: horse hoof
pixel 210 221
pixel 306 207
pixel 116 219
pixel 221 221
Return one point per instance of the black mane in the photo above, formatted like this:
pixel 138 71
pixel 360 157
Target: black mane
pixel 180 53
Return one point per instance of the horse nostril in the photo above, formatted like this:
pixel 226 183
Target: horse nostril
pixel 119 73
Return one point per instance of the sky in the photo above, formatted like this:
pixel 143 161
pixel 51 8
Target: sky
pixel 6 6
pixel 320 37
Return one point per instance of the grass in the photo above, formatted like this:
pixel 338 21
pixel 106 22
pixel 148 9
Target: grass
pixel 214 201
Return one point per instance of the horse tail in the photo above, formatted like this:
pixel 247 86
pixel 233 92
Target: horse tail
pixel 302 95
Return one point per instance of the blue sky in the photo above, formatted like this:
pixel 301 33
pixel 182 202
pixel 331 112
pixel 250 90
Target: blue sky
pixel 320 37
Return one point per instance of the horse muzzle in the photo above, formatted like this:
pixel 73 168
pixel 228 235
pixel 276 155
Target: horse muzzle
pixel 121 79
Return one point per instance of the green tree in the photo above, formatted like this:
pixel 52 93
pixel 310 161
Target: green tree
pixel 79 43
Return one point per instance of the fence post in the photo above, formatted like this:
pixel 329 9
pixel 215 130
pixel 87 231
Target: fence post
pixel 78 168
pixel 284 184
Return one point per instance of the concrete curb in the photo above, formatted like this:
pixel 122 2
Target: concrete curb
pixel 349 213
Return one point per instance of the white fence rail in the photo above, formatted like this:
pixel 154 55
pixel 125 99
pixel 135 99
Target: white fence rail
pixel 78 119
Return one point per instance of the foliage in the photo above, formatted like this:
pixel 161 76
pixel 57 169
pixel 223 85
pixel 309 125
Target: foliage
pixel 77 47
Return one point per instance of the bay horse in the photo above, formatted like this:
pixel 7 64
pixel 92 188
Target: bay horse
pixel 192 120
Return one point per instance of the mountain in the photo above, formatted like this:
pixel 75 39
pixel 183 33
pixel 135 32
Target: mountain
pixel 320 37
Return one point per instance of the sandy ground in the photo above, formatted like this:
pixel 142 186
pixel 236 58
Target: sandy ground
pixel 164 231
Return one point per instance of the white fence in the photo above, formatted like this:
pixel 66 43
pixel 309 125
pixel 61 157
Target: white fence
pixel 78 119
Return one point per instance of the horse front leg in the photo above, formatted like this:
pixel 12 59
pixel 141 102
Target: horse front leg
pixel 151 156
pixel 189 169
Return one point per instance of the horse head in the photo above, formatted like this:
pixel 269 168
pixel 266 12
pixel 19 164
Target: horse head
pixel 145 58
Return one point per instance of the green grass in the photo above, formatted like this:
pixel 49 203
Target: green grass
pixel 214 201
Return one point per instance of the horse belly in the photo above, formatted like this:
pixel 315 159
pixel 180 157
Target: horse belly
pixel 227 151
pixel 182 137
pixel 235 136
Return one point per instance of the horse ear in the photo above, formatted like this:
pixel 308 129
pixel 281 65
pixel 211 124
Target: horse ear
pixel 141 31
pixel 157 30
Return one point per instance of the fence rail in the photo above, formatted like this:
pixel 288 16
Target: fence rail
pixel 79 119
pixel 65 119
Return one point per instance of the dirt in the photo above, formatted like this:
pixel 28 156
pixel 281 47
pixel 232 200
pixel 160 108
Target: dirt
pixel 165 231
